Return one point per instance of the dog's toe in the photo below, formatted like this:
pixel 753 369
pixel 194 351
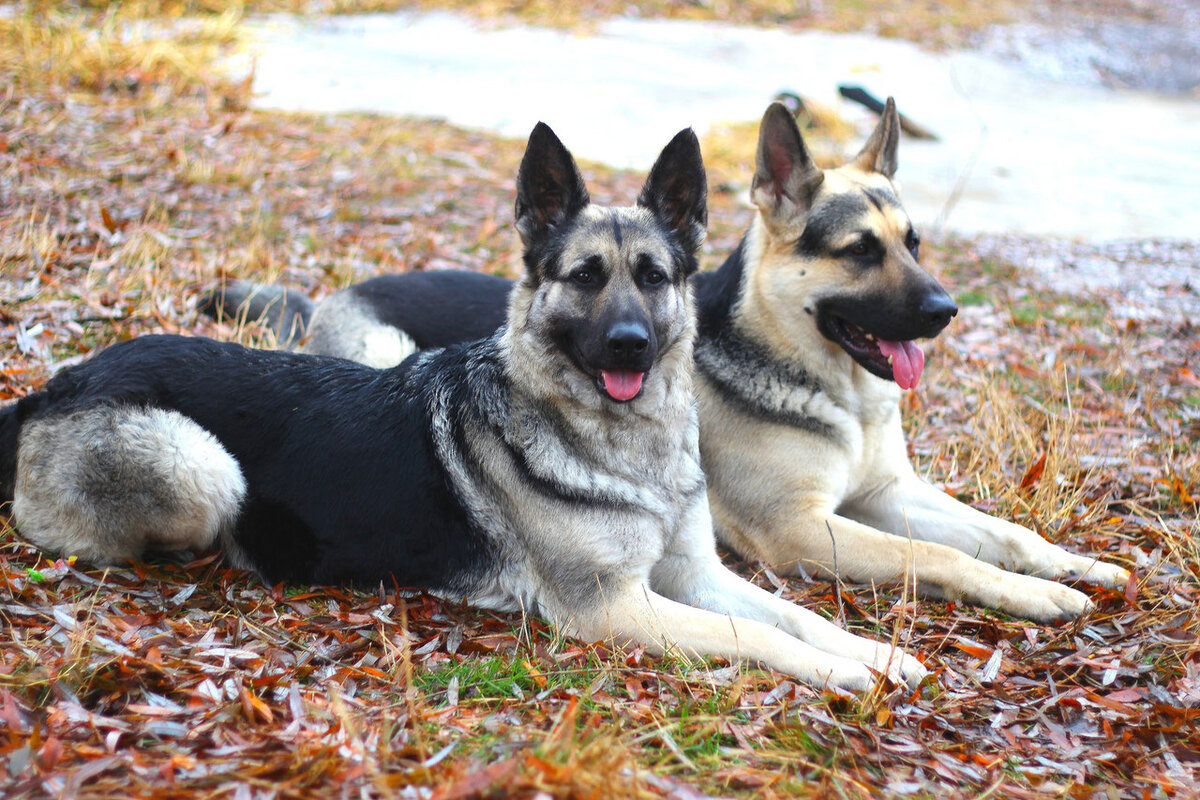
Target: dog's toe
pixel 1072 568
pixel 849 676
pixel 912 672
pixel 899 666
pixel 1056 603
pixel 1109 575
pixel 1072 604
pixel 1037 599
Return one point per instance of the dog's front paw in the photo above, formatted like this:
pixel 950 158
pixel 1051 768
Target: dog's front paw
pixel 899 666
pixel 1106 574
pixel 911 672
pixel 1041 600
pixel 842 675
pixel 1081 568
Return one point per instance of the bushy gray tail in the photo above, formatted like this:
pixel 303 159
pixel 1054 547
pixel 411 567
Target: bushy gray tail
pixel 285 311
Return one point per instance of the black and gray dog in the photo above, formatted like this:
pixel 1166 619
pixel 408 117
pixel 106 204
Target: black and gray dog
pixel 552 467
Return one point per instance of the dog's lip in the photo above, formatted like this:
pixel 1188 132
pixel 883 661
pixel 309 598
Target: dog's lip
pixel 856 339
pixel 863 346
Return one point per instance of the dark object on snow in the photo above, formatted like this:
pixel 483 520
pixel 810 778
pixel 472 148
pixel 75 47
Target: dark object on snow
pixel 861 96
pixel 793 103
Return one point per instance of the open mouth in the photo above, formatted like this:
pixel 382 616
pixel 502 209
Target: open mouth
pixel 901 362
pixel 620 384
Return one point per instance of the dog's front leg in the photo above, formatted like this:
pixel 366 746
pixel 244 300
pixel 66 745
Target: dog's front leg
pixel 909 505
pixel 633 613
pixel 829 544
pixel 701 580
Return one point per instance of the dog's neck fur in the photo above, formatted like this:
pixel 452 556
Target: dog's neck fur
pixel 776 358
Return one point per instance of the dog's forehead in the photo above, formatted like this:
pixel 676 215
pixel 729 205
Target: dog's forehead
pixel 850 199
pixel 615 233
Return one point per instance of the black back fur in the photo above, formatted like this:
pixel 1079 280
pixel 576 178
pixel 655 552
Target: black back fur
pixel 374 504
pixel 438 308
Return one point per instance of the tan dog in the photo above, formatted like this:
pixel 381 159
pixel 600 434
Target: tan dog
pixel 806 340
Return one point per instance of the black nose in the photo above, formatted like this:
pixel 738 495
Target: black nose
pixel 627 340
pixel 937 309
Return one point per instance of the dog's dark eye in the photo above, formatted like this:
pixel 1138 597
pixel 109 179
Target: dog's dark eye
pixel 654 277
pixel 866 250
pixel 913 243
pixel 649 274
pixel 589 272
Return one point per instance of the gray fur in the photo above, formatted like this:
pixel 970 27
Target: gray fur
pixel 286 312
pixel 759 384
pixel 345 325
pixel 804 448
pixel 590 499
pixel 108 483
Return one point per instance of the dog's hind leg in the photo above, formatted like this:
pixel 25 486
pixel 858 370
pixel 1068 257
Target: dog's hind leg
pixel 285 311
pixel 109 483
pixel 345 325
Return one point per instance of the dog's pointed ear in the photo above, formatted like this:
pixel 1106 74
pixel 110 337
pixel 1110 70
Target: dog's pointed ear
pixel 550 189
pixel 676 191
pixel 786 178
pixel 879 153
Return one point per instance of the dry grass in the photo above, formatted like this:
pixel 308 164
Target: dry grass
pixel 194 679
pixel 931 23
pixel 729 147
pixel 114 50
pixel 921 20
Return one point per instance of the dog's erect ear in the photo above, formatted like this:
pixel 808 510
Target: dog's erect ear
pixel 550 189
pixel 879 153
pixel 785 177
pixel 676 190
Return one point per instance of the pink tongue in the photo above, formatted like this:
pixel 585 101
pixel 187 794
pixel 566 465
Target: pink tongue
pixel 622 384
pixel 907 361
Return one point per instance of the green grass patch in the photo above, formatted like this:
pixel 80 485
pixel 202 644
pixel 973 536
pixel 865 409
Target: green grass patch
pixel 974 297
